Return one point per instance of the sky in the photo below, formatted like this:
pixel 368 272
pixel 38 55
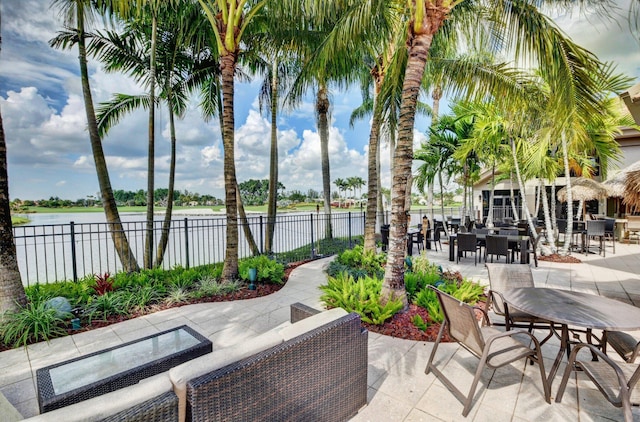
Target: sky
pixel 49 154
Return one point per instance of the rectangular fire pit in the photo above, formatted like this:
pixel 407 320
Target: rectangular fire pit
pixel 117 367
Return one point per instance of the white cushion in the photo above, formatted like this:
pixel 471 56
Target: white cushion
pixel 181 374
pixel 109 404
pixel 312 322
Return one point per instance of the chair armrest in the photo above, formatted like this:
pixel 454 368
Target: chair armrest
pixel 301 311
pixel 622 379
pixel 485 316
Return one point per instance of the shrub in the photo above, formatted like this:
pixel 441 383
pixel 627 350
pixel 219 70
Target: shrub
pixel 269 271
pixel 35 322
pixel 209 286
pixel 109 304
pixel 176 296
pixel 361 296
pixel 428 300
pixel 103 284
pixel 467 291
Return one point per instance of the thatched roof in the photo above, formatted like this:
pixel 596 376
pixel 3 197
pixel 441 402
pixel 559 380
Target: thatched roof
pixel 615 184
pixel 632 190
pixel 583 189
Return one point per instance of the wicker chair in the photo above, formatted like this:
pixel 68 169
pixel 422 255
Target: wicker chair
pixel 467 242
pixel 617 382
pixel 595 230
pixel 435 238
pixel 610 232
pixel 498 246
pixel 494 348
pixel 508 276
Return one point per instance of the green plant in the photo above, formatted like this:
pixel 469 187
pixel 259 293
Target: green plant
pixel 209 286
pixel 144 296
pixel 269 271
pixel 428 300
pixel 103 284
pixel 419 322
pixel 369 262
pixel 34 322
pixel 176 295
pixel 361 296
pixel 109 304
pixel 467 291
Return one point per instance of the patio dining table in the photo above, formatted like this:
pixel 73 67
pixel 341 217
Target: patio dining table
pixel 573 309
pixel 522 241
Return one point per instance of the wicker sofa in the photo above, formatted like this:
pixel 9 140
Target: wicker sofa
pixel 312 369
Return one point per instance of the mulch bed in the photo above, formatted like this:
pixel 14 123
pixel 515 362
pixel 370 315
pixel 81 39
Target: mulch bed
pixel 563 259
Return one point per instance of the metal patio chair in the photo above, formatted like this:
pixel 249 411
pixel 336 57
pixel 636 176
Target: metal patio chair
pixel 494 348
pixel 498 246
pixel 617 382
pixel 510 276
pixel 467 242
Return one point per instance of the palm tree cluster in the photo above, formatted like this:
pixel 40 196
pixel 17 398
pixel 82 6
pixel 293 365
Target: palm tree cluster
pixel 397 51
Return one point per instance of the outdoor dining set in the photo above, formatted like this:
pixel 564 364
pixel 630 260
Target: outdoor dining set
pixel 583 323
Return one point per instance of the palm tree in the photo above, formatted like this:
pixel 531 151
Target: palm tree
pixel 228 20
pixel 127 52
pixel 12 294
pixel 76 12
pixel 139 9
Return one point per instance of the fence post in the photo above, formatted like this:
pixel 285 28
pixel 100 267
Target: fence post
pixel 350 240
pixel 74 262
pixel 313 243
pixel 261 236
pixel 186 241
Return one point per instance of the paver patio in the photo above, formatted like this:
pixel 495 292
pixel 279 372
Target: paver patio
pixel 399 390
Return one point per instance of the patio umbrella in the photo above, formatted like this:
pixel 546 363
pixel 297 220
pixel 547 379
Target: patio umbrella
pixel 632 190
pixel 583 189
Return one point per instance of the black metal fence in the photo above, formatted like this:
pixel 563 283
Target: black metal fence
pixel 57 252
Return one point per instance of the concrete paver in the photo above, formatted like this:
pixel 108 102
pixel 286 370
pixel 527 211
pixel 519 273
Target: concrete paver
pixel 399 390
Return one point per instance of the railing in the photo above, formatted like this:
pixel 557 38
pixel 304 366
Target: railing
pixel 57 252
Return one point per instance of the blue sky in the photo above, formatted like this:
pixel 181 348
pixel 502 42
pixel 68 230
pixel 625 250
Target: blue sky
pixel 48 147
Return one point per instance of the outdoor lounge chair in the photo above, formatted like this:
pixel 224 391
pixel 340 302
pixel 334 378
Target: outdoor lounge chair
pixel 494 348
pixel 627 346
pixel 617 382
pixel 509 276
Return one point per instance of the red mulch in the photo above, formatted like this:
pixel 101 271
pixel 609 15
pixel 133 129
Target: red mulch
pixel 563 259
pixel 401 326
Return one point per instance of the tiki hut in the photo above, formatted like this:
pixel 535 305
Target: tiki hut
pixel 583 189
pixel 615 184
pixel 632 190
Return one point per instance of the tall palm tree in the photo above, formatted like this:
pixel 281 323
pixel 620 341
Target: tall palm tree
pixel 228 20
pixel 75 14
pixel 11 289
pixel 128 52
pixel 128 9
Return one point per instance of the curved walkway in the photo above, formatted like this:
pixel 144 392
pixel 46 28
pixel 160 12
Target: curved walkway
pixel 398 388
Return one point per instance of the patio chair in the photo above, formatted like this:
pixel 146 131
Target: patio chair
pixel 481 242
pixel 467 242
pixel 494 348
pixel 509 276
pixel 595 230
pixel 498 246
pixel 627 346
pixel 418 238
pixel 617 382
pixel 610 232
pixel 435 238
pixel 562 228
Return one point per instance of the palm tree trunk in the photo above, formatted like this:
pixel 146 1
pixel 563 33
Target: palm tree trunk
pixel 418 46
pixel 148 247
pixel 372 184
pixel 491 193
pixel 549 222
pixel 380 206
pixel 228 66
pixel 12 294
pixel 120 242
pixel 444 226
pixel 272 200
pixel 512 197
pixel 166 224
pixel 255 251
pixel 565 159
pixel 322 108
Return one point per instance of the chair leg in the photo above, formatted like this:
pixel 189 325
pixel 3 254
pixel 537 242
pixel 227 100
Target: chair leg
pixel 469 400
